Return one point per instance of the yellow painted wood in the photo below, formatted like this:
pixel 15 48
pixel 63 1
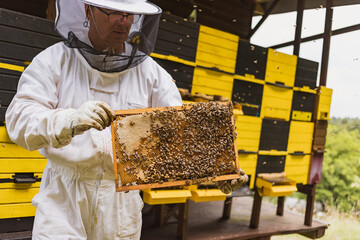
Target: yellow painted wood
pixel 305 89
pixel 11 150
pixel 173 59
pixel 300 137
pixel 297 168
pixel 276 102
pixel 17 195
pixel 247 162
pixel 272 152
pixel 298 161
pixel 209 60
pixel 280 67
pixel 12 67
pixel 212 83
pixel 220 34
pixel 301 116
pixel 209 91
pixel 19 185
pixel 323 103
pixel 298 174
pixel 266 188
pixel 4 137
pixel 274 55
pixel 17 210
pixel 217 49
pixel 248 132
pixel 20 165
pixel 205 195
pixel 249 78
pixel 152 197
pixel 251 172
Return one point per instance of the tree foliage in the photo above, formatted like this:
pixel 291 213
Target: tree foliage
pixel 340 183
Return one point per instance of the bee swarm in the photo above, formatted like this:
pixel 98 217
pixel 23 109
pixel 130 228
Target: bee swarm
pixel 195 142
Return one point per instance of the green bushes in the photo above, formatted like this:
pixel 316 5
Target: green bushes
pixel 340 183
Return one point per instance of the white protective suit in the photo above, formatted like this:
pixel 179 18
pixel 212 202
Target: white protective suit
pixel 77 198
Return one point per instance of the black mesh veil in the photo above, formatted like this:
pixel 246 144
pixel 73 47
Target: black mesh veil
pixel 140 43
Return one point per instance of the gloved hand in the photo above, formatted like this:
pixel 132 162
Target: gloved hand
pixel 92 114
pixel 229 186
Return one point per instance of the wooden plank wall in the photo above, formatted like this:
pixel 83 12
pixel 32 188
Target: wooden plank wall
pixel 22 38
pixel 233 16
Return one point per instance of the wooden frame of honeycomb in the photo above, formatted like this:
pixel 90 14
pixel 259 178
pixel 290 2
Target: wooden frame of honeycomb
pixel 174 146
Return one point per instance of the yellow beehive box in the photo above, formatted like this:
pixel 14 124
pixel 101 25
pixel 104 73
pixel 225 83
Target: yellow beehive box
pixel 162 196
pixel 276 102
pixel 212 82
pixel 248 162
pixel 297 168
pixel 4 137
pixel 205 195
pixel 275 186
pixel 20 174
pixel 22 165
pixel 17 210
pixel 280 68
pixel 322 103
pixel 217 49
pixel 248 130
pixel 300 137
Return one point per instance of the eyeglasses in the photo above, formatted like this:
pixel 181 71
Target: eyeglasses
pixel 118 16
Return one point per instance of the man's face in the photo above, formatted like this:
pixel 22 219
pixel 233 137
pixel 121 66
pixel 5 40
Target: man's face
pixel 109 27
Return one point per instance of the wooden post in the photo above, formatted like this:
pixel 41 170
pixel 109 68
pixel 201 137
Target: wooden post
pixel 183 220
pixel 255 213
pixel 310 200
pixel 159 215
pixel 227 208
pixel 326 44
pixel 280 206
pixel 299 20
pixel 309 190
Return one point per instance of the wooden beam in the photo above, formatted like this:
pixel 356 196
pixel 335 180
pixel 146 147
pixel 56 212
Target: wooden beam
pixel 326 43
pixel 318 36
pixel 267 13
pixel 299 21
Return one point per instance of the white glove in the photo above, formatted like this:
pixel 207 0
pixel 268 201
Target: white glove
pixel 91 114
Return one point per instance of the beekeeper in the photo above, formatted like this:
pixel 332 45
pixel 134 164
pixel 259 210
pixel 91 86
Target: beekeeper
pixel 64 105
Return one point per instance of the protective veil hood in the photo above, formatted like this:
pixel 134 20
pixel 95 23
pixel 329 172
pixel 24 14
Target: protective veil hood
pixel 70 25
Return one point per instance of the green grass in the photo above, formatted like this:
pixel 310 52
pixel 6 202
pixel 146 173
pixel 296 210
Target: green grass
pixel 342 227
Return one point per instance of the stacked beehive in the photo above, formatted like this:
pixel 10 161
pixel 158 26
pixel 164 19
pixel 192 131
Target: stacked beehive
pixel 277 92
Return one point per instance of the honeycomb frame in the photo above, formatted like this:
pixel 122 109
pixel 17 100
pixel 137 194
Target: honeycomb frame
pixel 225 167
